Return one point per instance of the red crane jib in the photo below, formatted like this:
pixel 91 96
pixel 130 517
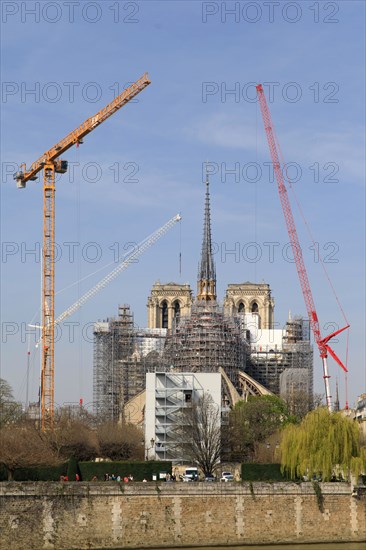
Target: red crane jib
pixel 322 343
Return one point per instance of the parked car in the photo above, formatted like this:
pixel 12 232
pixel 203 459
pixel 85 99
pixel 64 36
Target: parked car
pixel 227 476
pixel 210 477
pixel 191 473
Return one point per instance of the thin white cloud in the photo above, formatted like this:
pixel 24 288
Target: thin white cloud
pixel 224 130
pixel 305 146
pixel 344 148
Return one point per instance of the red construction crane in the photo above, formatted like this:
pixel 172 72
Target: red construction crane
pixel 322 343
pixel 51 164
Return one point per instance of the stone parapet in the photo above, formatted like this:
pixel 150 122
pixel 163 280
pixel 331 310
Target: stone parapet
pixel 107 515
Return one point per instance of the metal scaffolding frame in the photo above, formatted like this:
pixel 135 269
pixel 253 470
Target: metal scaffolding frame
pixel 121 360
pixel 206 341
pixel 175 392
pixel 171 397
pixel 278 370
pixel 106 378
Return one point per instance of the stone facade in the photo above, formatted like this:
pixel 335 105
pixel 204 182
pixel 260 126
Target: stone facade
pixel 166 301
pixel 250 298
pixel 37 516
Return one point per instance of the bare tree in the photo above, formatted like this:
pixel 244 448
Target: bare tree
pixel 120 442
pixel 10 410
pixel 23 446
pixel 6 392
pixel 71 412
pixel 299 403
pixel 200 434
pixel 73 437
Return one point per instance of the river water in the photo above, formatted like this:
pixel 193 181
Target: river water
pixel 328 546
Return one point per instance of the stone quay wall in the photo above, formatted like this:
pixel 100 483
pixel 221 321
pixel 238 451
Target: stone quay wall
pixel 110 515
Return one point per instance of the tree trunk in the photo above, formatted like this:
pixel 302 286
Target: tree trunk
pixel 10 474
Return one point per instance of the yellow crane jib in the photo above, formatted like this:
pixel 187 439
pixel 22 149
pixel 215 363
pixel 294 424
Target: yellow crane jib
pixel 77 135
pixel 51 164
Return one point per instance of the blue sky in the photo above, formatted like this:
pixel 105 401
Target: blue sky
pixel 309 55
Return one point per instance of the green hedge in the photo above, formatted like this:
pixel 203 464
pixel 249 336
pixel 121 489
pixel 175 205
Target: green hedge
pixel 261 472
pixel 139 470
pixel 38 473
pixel 87 470
pixel 72 469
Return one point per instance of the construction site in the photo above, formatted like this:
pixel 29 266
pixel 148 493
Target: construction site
pixel 207 341
pixel 185 334
pixel 199 335
pixel 182 254
pixel 208 338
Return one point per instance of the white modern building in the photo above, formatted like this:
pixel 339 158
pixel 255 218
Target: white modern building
pixel 168 395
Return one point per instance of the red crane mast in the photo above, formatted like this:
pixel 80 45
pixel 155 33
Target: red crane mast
pixel 322 343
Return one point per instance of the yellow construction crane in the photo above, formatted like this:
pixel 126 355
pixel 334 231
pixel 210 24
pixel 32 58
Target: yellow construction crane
pixel 51 164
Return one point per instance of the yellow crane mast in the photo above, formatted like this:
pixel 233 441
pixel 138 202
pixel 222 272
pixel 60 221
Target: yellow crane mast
pixel 51 164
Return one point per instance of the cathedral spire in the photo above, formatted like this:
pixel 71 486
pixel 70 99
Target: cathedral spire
pixel 206 287
pixel 336 402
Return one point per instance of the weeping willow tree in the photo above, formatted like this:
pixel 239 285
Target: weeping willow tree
pixel 325 444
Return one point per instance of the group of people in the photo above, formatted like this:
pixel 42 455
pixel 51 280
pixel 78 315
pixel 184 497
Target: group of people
pixel 66 478
pixel 113 477
pixel 119 478
pixel 171 477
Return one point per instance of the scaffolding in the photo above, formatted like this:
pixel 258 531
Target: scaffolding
pixel 288 369
pixel 150 340
pixel 117 371
pixel 206 341
pixel 173 394
pixel 103 372
pixel 123 354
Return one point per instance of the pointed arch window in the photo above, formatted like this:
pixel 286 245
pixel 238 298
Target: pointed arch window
pixel 241 308
pixel 255 308
pixel 176 307
pixel 164 314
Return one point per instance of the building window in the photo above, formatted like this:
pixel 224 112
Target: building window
pixel 188 397
pixel 241 308
pixel 176 307
pixel 254 307
pixel 164 315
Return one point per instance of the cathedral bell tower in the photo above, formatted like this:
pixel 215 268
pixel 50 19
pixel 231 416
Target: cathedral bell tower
pixel 206 284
